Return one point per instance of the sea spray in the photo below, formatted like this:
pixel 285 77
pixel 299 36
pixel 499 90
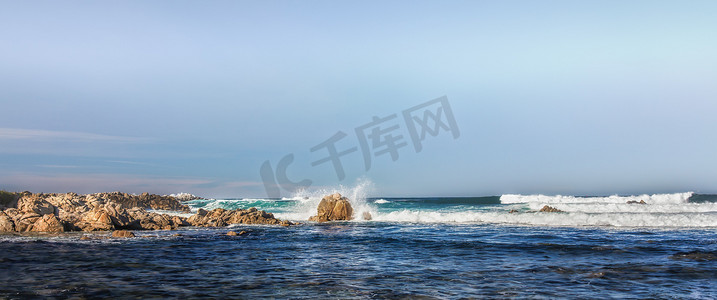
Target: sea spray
pixel 306 201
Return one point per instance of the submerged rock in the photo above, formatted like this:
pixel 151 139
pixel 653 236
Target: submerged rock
pixel 366 216
pixel 333 208
pixel 550 209
pixel 696 256
pixel 122 234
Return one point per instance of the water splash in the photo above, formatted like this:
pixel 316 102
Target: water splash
pixel 308 200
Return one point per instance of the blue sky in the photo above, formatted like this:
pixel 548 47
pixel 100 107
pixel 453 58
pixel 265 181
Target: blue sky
pixel 553 97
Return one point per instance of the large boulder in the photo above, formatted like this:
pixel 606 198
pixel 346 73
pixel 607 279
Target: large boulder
pixel 96 220
pixel 35 204
pixel 333 208
pixel 48 223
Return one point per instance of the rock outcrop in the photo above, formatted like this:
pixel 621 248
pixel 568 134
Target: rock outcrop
pixel 113 211
pixel 550 209
pixel 636 202
pixel 147 201
pixel 221 217
pixel 333 208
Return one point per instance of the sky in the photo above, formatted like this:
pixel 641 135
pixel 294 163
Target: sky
pixel 549 97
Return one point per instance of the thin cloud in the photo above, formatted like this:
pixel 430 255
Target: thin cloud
pixel 7 134
pixel 103 182
pixel 59 166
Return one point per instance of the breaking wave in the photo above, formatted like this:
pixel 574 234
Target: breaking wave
pixel 657 210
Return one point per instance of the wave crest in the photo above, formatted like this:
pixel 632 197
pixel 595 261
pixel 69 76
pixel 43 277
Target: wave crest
pixel 676 198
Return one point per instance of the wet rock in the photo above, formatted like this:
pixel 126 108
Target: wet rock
pixel 232 233
pixel 550 209
pixel 122 234
pixel 366 216
pixel 512 211
pixel 333 208
pixel 596 275
pixel 636 202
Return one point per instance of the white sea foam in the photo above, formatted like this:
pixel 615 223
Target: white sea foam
pixel 650 199
pixel 554 219
pixel 629 208
pixel 660 210
pixel 183 196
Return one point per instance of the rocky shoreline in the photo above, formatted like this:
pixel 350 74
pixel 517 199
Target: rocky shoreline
pixel 55 213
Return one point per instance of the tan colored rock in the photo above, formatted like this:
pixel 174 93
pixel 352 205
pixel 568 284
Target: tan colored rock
pixel 179 221
pixel 222 217
pixel 25 221
pixel 145 200
pixel 232 233
pixel 104 211
pixel 7 224
pixel 122 234
pixel 550 209
pixel 48 223
pixel 333 208
pixel 96 220
pixel 36 204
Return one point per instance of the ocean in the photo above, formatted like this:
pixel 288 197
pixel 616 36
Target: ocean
pixel 426 248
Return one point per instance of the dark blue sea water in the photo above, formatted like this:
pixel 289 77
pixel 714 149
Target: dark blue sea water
pixel 445 248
